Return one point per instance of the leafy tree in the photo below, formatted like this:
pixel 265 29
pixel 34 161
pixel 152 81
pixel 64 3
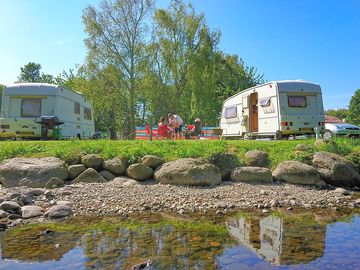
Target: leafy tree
pixel 185 48
pixel 354 108
pixel 339 113
pixel 116 33
pixel 30 72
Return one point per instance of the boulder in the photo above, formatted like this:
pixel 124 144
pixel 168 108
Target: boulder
pixel 36 192
pixel 225 162
pixel 188 171
pixel 257 158
pixel 76 170
pixel 3 214
pixel 32 172
pixel 336 170
pixel 116 166
pixel 59 211
pixel 152 161
pixel 90 175
pixel 321 142
pixel 253 175
pixel 302 147
pixel 107 175
pixel 139 171
pixel 10 207
pixel 295 172
pixel 31 211
pixel 54 182
pixel 92 161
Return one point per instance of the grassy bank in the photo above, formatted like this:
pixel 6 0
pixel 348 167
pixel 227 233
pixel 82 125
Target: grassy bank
pixel 133 150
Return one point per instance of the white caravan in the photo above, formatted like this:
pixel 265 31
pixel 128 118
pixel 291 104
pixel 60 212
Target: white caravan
pixel 275 109
pixel 39 110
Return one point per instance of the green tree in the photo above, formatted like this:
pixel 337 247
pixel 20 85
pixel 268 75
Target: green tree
pixel 354 108
pixel 186 47
pixel 30 72
pixel 116 36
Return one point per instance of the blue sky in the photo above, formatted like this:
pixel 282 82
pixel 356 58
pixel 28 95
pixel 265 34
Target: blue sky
pixel 312 40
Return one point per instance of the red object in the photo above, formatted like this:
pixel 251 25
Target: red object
pixel 147 129
pixel 162 130
pixel 191 127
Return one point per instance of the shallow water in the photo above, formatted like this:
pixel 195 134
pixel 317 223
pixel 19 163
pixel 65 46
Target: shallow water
pixel 244 241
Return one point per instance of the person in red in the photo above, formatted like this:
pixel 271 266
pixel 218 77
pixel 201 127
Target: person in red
pixel 162 129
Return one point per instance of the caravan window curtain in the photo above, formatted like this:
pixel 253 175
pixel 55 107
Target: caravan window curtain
pixel 297 101
pixel 231 112
pixel 31 107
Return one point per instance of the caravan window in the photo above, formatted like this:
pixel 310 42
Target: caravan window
pixel 230 112
pixel 265 102
pixel 87 114
pixel 31 107
pixel 297 101
pixel 76 107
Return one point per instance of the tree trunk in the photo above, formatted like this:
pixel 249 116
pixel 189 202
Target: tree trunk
pixel 132 115
pixel 113 127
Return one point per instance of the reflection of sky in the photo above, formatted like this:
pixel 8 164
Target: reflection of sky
pixel 342 251
pixel 74 259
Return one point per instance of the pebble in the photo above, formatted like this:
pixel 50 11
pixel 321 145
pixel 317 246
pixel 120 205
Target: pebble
pixel 112 198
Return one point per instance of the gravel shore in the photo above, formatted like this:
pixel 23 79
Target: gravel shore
pixel 124 196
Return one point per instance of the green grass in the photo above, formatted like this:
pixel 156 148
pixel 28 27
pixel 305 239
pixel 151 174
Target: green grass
pixel 278 151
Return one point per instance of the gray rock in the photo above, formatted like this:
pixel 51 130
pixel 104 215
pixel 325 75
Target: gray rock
pixel 121 180
pixel 139 171
pixel 225 162
pixel 116 166
pixel 32 172
pixel 130 182
pixel 336 170
pixel 59 211
pixel 320 142
pixel 76 170
pixel 31 211
pixel 257 158
pixel 10 206
pixel 342 191
pixel 188 171
pixel 295 172
pixel 90 175
pixel 252 175
pixel 3 214
pixel 107 175
pixel 302 147
pixel 36 192
pixel 92 161
pixel 152 161
pixel 54 182
pixel 69 203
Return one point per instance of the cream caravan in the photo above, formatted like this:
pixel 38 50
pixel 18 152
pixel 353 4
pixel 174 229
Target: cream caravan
pixel 275 109
pixel 37 110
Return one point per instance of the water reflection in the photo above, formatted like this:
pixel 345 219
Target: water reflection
pixel 249 242
pixel 279 241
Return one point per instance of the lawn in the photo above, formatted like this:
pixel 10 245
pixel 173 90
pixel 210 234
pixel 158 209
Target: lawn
pixel 170 150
